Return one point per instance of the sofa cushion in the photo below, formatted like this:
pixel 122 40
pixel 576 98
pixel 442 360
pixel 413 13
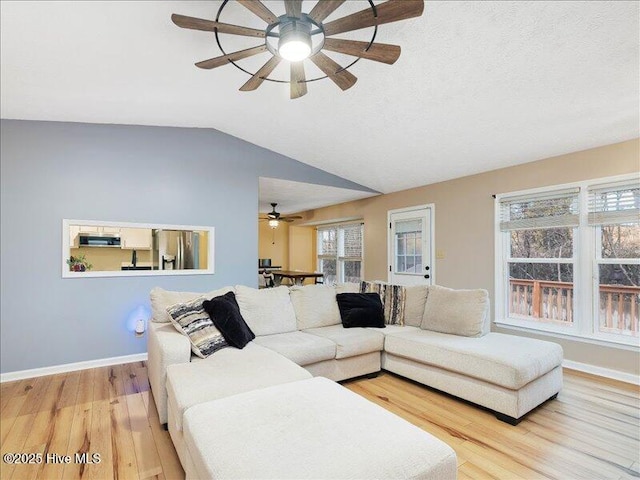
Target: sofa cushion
pixel 315 306
pixel 460 312
pixel 392 297
pixel 161 299
pixel 228 372
pixel 414 302
pixel 191 320
pixel 299 347
pixel 267 311
pixel 506 360
pixel 226 317
pixel 351 341
pixel 312 429
pixel 393 329
pixel 360 310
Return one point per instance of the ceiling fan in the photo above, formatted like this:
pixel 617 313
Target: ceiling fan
pixel 296 36
pixel 274 218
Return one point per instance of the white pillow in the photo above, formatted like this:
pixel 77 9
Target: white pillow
pixel 161 299
pixel 315 306
pixel 267 311
pixel 460 312
pixel 347 288
pixel 414 302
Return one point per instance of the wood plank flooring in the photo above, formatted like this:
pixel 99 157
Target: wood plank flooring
pixel 592 431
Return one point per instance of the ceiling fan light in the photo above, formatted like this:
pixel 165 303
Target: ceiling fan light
pixel 274 223
pixel 295 41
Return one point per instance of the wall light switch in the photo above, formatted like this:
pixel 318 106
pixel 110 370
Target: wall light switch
pixel 440 254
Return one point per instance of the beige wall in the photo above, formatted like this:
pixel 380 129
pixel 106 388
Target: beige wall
pixel 274 244
pixel 302 249
pixel 464 211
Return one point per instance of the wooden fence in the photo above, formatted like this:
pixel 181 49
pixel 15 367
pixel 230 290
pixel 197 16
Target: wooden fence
pixel 553 302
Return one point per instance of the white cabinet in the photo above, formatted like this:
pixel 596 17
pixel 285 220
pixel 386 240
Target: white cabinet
pixel 74 230
pixel 97 229
pixel 135 238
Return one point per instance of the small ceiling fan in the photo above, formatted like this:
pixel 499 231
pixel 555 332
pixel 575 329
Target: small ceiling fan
pixel 296 36
pixel 274 218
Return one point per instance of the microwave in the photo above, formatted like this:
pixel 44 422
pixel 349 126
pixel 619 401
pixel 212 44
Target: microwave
pixel 98 240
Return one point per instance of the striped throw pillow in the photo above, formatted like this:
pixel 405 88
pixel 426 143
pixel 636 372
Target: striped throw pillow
pixel 392 297
pixel 193 321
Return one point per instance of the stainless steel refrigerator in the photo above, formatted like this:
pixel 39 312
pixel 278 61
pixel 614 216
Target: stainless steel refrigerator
pixel 176 249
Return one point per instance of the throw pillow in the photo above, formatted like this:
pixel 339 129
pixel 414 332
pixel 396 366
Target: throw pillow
pixel 315 306
pixel 459 312
pixel 266 311
pixel 226 317
pixel 161 299
pixel 191 320
pixel 415 300
pixel 351 287
pixel 392 297
pixel 360 310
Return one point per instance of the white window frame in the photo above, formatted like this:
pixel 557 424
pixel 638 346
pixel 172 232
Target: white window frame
pixel 338 257
pixel 585 273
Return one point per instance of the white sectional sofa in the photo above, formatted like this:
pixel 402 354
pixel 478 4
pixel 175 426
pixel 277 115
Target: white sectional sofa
pixel 299 334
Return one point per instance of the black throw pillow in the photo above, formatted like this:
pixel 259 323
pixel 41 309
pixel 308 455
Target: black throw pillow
pixel 225 315
pixel 360 310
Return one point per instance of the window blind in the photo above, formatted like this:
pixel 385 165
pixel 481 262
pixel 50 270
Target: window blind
pixel 351 245
pixel 614 203
pixel 552 210
pixel 408 226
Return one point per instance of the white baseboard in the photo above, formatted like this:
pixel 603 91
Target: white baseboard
pixel 602 372
pixel 71 367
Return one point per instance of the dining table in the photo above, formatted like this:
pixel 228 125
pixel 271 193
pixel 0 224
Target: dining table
pixel 296 276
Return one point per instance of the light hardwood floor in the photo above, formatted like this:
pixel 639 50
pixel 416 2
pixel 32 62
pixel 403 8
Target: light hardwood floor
pixel 591 431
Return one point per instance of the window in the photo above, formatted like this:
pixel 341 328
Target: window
pixel 614 217
pixel 568 260
pixel 340 253
pixel 408 250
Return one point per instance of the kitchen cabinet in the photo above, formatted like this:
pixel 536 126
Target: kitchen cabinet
pixel 74 230
pixel 97 229
pixel 135 238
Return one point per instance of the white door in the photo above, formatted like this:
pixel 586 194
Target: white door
pixel 410 246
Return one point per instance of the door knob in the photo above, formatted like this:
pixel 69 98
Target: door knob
pixel 426 276
pixel 427 267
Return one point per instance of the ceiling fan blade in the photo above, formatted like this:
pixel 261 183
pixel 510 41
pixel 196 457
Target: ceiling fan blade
pixel 257 7
pixel 293 8
pixel 343 79
pixel 290 218
pixel 224 59
pixel 378 52
pixel 298 83
pixel 259 77
pixel 324 8
pixel 209 26
pixel 388 12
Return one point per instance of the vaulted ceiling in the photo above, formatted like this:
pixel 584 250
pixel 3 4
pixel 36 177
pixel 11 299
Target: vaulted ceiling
pixel 478 86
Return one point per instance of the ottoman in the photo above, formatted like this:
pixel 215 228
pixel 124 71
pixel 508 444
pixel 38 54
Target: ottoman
pixel 308 429
pixel 226 372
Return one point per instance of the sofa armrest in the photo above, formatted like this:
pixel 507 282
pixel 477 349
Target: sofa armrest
pixel 166 346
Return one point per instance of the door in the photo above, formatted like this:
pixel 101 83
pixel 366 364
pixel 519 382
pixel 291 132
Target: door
pixel 410 245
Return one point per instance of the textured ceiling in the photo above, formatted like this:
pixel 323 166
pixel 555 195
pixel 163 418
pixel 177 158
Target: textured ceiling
pixel 298 196
pixel 479 85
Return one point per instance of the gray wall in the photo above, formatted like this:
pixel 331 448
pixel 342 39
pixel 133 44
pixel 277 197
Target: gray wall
pixel 50 171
